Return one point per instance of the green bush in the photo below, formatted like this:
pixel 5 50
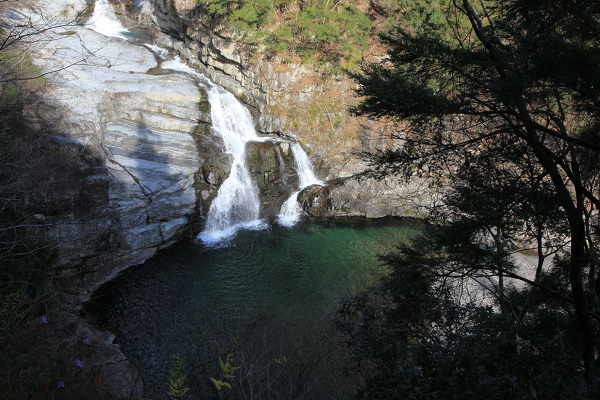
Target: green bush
pixel 336 32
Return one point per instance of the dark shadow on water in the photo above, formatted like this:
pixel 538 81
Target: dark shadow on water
pixel 273 291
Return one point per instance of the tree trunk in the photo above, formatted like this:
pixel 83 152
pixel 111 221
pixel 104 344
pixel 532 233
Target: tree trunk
pixel 574 211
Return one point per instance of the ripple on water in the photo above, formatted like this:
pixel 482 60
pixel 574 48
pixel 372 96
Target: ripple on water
pixel 192 297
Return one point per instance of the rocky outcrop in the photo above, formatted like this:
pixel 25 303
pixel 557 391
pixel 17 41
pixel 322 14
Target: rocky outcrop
pixel 272 165
pixel 149 164
pixel 287 96
pixel 136 163
pixel 137 134
pixel 359 196
pixel 145 164
pixel 118 374
pixel 212 53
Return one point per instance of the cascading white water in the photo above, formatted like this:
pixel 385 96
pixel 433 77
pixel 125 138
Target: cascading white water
pixel 290 211
pixel 304 167
pixel 237 204
pixel 159 51
pixel 177 65
pixel 104 20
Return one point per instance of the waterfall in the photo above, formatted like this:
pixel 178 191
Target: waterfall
pixel 290 211
pixel 104 20
pixel 303 167
pixel 237 204
pixel 159 51
pixel 177 65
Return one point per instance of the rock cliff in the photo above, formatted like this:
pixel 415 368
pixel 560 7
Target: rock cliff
pixel 144 164
pixel 141 137
pixel 296 99
pixel 272 165
pixel 137 162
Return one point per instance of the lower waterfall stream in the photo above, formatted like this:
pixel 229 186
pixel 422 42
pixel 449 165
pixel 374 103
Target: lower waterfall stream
pixel 237 203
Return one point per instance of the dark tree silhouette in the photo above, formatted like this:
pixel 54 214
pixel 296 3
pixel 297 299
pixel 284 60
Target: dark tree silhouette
pixel 501 106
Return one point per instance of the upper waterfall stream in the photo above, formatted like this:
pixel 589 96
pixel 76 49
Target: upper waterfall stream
pixel 104 20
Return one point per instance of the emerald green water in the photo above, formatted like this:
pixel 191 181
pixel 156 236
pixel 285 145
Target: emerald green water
pixel 274 287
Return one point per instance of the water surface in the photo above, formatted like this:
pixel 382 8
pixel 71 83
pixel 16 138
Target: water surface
pixel 272 287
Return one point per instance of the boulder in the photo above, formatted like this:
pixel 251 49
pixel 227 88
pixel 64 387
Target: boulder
pixel 361 196
pixel 271 164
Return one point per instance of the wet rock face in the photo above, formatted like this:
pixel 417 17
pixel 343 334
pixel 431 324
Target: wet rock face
pixel 316 201
pixel 213 171
pixel 272 166
pixel 215 55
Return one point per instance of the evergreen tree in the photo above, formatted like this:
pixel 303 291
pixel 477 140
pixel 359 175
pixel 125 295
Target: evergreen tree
pixel 500 105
